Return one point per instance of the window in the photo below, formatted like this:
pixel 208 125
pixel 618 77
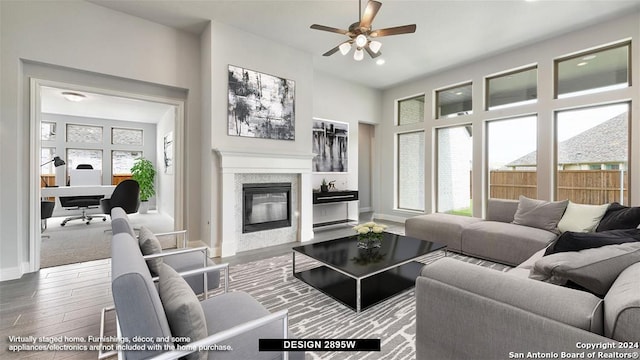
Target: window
pixel 512 89
pixel 594 71
pixel 84 134
pixel 411 171
pixel 593 154
pixel 455 150
pixel 46 155
pixel 126 136
pixel 411 111
pixel 122 161
pixel 47 131
pixel 512 158
pixel 84 156
pixel 455 101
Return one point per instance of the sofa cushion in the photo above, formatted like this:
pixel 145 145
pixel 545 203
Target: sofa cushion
pixel 182 307
pixel 503 242
pixel 149 245
pixel 441 228
pixel 622 306
pixel 501 210
pixel 581 217
pixel 593 269
pixel 191 261
pixel 571 241
pixel 539 214
pixel 619 217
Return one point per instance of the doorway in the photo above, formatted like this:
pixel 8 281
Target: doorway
pixel 365 161
pixel 107 129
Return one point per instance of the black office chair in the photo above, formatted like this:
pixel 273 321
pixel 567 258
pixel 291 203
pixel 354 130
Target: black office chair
pixel 126 195
pixel 82 203
pixel 46 211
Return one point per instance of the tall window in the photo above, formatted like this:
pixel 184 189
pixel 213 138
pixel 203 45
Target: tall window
pixel 84 156
pixel 593 71
pixel 512 89
pixel 455 150
pixel 593 154
pixel 454 101
pixel 512 158
pixel 411 171
pixel 411 111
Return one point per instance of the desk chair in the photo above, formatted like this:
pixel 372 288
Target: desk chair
pixel 82 203
pixel 46 211
pixel 126 195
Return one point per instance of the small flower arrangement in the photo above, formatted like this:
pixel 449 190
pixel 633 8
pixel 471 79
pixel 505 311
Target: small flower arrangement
pixel 370 227
pixel 369 234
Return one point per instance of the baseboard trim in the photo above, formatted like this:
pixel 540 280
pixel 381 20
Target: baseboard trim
pixel 11 273
pixel 394 218
pixel 366 209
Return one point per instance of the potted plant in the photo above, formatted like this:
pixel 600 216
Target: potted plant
pixel 144 173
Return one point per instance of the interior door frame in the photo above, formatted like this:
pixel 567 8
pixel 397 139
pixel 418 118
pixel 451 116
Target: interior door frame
pixel 35 117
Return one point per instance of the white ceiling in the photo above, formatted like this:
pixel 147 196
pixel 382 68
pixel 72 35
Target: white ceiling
pixel 449 33
pixel 102 106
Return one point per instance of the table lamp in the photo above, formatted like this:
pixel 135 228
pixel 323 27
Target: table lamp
pixel 57 161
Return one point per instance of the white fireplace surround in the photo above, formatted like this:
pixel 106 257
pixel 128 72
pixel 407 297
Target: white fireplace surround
pixel 233 162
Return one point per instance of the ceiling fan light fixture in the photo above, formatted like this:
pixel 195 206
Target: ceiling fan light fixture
pixel 361 40
pixel 375 46
pixel 358 55
pixel 345 48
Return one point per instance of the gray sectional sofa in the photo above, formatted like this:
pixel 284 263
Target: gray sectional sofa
pixel 494 238
pixel 465 311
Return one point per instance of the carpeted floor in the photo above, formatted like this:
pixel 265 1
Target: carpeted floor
pixel 78 242
pixel 313 315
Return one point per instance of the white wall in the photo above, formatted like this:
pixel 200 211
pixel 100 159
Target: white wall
pixel 338 100
pixel 542 54
pixel 166 185
pixel 96 45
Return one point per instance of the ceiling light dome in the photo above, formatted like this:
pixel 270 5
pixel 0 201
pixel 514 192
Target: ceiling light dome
pixel 73 96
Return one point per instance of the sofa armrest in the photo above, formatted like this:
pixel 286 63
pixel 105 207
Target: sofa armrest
pixel 176 232
pixel 221 336
pixel 467 311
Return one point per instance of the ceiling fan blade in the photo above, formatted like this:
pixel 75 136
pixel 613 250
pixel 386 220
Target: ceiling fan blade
pixel 371 53
pixel 405 29
pixel 332 51
pixel 369 13
pixel 329 29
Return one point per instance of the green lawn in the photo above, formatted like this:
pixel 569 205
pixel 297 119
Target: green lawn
pixel 463 212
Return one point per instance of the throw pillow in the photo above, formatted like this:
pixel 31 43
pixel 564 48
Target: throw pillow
pixel 149 244
pixel 620 217
pixel 581 218
pixel 182 307
pixel 573 241
pixel 539 214
pixel 593 269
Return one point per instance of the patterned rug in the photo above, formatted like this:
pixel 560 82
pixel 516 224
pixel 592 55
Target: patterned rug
pixel 314 315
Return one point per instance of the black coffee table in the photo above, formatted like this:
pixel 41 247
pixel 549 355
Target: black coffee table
pixel 361 278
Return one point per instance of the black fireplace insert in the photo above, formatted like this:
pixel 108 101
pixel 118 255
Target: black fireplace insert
pixel 266 206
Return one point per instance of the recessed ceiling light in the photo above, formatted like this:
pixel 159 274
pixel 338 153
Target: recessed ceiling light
pixel 73 96
pixel 458 93
pixel 582 63
pixel 380 62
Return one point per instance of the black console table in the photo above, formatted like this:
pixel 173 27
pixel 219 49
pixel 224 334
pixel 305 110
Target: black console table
pixel 335 196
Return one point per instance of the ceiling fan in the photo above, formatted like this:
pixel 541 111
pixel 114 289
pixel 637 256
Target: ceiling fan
pixel 361 34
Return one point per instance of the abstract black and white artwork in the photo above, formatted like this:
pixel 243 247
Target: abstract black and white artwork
pixel 330 146
pixel 260 105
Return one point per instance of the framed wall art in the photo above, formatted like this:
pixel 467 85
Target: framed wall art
pixel 330 146
pixel 260 105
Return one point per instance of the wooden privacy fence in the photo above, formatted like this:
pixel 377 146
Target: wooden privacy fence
pixel 580 186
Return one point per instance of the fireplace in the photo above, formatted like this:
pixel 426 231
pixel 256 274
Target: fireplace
pixel 266 206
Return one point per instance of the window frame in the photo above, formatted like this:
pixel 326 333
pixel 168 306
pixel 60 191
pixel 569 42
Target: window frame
pixel 436 98
pixel 397 168
pixel 413 97
pixel 508 73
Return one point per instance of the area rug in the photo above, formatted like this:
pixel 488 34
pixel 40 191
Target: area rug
pixel 314 315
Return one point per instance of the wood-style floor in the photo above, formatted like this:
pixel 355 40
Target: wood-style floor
pixel 67 300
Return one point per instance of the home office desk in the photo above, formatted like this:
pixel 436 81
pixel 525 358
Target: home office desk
pixel 56 192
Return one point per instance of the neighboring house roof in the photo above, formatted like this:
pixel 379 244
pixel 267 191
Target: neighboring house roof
pixel 604 143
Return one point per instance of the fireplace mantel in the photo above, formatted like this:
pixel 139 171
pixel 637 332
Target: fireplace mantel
pixel 233 162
